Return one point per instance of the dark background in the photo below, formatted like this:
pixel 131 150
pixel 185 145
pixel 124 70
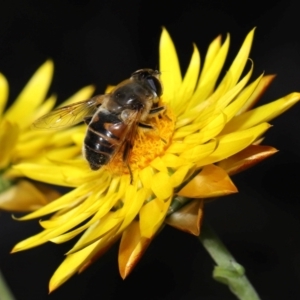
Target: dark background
pixel 102 42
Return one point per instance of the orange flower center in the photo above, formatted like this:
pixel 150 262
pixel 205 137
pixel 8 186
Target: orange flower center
pixel 148 144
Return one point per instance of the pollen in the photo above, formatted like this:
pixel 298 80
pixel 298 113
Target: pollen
pixel 148 144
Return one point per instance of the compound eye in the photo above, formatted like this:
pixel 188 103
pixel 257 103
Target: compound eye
pixel 155 85
pixel 140 74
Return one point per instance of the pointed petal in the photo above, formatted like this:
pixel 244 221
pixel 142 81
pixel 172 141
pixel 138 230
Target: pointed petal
pixel 212 181
pixel 145 176
pixel 188 218
pixel 169 66
pixel 60 174
pixel 239 62
pixel 247 158
pixel 69 199
pixel 194 154
pixel 3 93
pixel 180 175
pixel 51 233
pixel 262 113
pixel 232 109
pixel 9 135
pixel 133 205
pixel 132 248
pixel 189 82
pixel 161 185
pixel 224 100
pixel 101 249
pixel 91 236
pixel 69 266
pixel 152 215
pixel 32 95
pixel 213 65
pixel 232 143
pixel 259 91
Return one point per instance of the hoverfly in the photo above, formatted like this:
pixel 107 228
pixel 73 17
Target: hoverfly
pixel 112 118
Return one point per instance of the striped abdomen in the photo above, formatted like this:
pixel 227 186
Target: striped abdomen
pixel 103 138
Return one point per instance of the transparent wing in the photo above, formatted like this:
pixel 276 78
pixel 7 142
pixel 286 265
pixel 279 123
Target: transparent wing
pixel 69 115
pixel 132 125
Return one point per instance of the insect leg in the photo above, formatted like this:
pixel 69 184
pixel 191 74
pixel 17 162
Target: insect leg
pixel 127 149
pixel 145 126
pixel 157 110
pixel 87 120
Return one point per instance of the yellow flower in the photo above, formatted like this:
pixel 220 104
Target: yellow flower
pixel 206 133
pixel 19 143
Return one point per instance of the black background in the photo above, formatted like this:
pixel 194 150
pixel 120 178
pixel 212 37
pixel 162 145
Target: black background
pixel 102 42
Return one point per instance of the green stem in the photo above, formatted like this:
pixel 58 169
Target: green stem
pixel 5 293
pixel 227 271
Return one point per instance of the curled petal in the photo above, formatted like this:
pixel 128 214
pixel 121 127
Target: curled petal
pixel 188 218
pixel 247 158
pixel 259 91
pixel 25 196
pixel 212 181
pixel 132 248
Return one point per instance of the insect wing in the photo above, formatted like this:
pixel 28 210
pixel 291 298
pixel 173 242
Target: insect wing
pixel 129 138
pixel 69 115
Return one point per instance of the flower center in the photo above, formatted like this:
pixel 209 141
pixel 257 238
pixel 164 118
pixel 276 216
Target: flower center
pixel 148 143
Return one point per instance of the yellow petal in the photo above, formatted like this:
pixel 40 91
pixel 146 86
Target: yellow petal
pixel 212 181
pixel 32 95
pixel 173 161
pixel 233 92
pixel 239 62
pixel 131 249
pixel 159 165
pixel 3 93
pixel 180 175
pixel 208 132
pixel 232 109
pixel 133 206
pixel 79 261
pixel 213 65
pixel 49 234
pixel 32 148
pixel 161 185
pixel 152 215
pixel 189 83
pixel 234 142
pixel 261 114
pixel 63 153
pixel 70 265
pixel 63 174
pixel 198 152
pixel 169 66
pixel 9 134
pixel 260 89
pixel 145 176
pixel 69 199
pixel 103 246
